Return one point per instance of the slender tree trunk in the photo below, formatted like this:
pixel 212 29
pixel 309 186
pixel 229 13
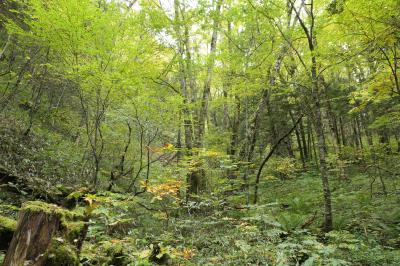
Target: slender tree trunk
pixel 384 139
pixel 247 150
pixel 355 134
pixel 192 179
pixel 319 126
pixel 359 132
pixel 207 84
pixel 303 140
pixel 336 136
pixel 368 132
pixel 310 140
pixel 317 112
pixel 299 144
pixel 233 146
pixel 397 137
pixel 342 131
pixel 179 144
pixel 198 180
pixel 235 129
pixel 225 120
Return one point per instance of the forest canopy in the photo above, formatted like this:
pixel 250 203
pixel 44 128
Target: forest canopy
pixel 199 132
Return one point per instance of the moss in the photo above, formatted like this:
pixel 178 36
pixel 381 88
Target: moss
pixel 73 229
pixel 71 222
pixel 2 256
pixel 7 223
pixel 60 254
pixel 7 228
pixel 40 206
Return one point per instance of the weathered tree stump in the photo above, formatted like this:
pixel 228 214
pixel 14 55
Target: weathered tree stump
pixel 37 223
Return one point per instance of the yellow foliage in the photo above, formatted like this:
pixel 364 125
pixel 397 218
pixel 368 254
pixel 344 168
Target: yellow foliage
pixel 168 189
pixel 188 253
pixel 212 153
pixel 271 177
pixel 168 147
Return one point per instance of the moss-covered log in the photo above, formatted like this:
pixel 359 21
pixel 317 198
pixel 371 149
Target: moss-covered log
pixel 37 223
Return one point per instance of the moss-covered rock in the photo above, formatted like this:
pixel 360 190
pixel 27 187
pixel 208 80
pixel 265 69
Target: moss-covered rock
pixel 61 254
pixel 8 223
pixel 73 229
pixel 7 228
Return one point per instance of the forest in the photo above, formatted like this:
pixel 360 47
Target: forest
pixel 199 132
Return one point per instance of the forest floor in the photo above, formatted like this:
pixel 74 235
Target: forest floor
pixel 283 230
pixel 160 227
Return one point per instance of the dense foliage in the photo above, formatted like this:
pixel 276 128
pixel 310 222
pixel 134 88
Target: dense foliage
pixel 209 132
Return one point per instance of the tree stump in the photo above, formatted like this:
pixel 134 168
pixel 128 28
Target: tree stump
pixel 36 225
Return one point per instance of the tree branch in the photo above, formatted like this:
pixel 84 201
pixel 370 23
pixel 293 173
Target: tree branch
pixel 271 152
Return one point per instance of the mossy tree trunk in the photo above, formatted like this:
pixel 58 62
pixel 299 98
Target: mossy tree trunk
pixel 32 236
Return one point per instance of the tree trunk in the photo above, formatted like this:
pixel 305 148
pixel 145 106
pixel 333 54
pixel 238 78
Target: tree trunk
pixel 197 177
pixel 36 225
pixel 384 139
pixel 397 137
pixel 337 144
pixel 299 144
pixel 207 84
pixel 316 94
pixel 342 132
pixel 303 140
pixel 187 122
pixel 359 132
pixel 310 140
pixel 235 130
pixel 368 133
pixel 355 135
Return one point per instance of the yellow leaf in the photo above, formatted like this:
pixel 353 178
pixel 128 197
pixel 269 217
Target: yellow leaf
pixel 89 201
pixel 144 253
